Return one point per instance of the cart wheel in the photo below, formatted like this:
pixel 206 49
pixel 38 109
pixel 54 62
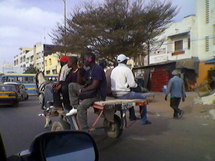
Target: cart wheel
pixel 113 129
pixel 60 125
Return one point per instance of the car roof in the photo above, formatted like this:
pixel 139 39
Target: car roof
pixel 12 83
pixel 6 84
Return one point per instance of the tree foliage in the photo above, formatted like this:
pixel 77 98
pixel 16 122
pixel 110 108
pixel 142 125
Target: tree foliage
pixel 31 70
pixel 114 27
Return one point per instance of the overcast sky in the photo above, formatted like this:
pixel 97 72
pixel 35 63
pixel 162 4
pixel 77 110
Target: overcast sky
pixel 23 23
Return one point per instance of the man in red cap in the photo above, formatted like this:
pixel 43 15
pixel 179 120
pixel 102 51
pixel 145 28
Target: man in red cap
pixel 64 68
pixel 64 71
pixel 64 59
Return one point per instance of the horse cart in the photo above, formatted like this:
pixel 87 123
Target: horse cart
pixel 113 112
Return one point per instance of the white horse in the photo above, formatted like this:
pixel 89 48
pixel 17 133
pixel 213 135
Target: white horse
pixel 45 94
pixel 44 89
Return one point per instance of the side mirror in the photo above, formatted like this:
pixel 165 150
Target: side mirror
pixel 64 146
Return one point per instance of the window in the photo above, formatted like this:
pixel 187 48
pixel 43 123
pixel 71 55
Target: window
pixel 50 62
pixel 188 43
pixel 214 34
pixel 179 45
pixel 54 71
pixel 207 11
pixel 206 43
pixel 48 72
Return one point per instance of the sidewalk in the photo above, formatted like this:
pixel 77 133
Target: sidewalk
pixel 161 107
pixel 191 138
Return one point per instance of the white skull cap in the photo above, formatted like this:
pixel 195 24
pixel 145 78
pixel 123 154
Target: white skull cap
pixel 121 58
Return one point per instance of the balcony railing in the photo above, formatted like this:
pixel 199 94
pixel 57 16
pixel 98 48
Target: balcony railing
pixel 178 52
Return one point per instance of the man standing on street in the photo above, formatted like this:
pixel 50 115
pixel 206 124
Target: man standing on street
pixel 177 92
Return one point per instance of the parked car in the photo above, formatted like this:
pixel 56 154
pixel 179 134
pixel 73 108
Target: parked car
pixel 21 90
pixel 8 95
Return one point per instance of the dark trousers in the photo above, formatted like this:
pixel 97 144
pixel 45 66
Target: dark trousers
pixel 174 103
pixel 57 97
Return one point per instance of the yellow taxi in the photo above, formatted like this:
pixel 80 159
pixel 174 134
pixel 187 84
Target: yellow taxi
pixel 8 95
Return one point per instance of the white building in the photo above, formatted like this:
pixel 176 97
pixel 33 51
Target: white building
pixel 186 45
pixel 36 56
pixel 9 68
pixel 29 58
pixel 205 29
pixel 20 59
pixel 194 36
pixel 39 56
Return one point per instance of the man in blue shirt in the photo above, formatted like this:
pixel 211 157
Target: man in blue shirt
pixel 177 92
pixel 93 90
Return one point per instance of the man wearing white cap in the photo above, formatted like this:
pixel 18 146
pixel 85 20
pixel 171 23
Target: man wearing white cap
pixel 122 79
pixel 177 92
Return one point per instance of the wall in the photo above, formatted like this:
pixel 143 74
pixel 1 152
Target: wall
pixel 205 29
pixel 203 72
pixel 55 65
pixel 176 31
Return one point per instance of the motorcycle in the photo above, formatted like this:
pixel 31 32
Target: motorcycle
pixel 57 146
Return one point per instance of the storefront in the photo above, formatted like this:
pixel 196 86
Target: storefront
pixel 156 76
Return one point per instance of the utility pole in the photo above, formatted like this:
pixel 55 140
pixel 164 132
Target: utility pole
pixel 64 1
pixel 148 51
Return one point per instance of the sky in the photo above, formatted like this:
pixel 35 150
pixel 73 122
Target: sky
pixel 24 23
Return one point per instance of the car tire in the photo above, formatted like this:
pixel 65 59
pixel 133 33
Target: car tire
pixel 16 104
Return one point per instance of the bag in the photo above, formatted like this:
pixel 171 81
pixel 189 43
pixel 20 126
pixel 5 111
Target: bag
pixel 88 94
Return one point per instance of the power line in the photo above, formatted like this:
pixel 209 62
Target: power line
pixel 191 40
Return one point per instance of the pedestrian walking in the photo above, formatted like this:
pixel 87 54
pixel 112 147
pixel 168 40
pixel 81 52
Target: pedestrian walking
pixel 176 90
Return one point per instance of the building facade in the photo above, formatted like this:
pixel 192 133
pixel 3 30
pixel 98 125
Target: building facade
pixel 38 58
pixel 21 59
pixel 52 65
pixel 43 57
pixel 9 68
pixel 189 44
pixel 194 36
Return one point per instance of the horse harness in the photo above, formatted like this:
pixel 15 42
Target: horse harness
pixel 41 87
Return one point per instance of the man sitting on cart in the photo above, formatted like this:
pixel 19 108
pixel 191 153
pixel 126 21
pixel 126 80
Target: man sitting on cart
pixel 83 96
pixel 122 79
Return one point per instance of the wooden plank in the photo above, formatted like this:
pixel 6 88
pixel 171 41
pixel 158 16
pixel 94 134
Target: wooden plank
pixel 120 101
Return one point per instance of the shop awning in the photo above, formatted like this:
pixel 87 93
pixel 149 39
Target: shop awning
pixel 192 63
pixel 179 34
pixel 211 61
pixel 155 65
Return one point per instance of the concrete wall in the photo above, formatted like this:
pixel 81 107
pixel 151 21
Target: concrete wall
pixel 203 72
pixel 205 29
pixel 52 63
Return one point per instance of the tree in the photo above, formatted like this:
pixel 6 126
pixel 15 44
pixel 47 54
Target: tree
pixel 114 27
pixel 31 70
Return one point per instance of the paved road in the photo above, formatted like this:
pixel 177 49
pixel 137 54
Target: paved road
pixel 19 125
pixel 189 139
